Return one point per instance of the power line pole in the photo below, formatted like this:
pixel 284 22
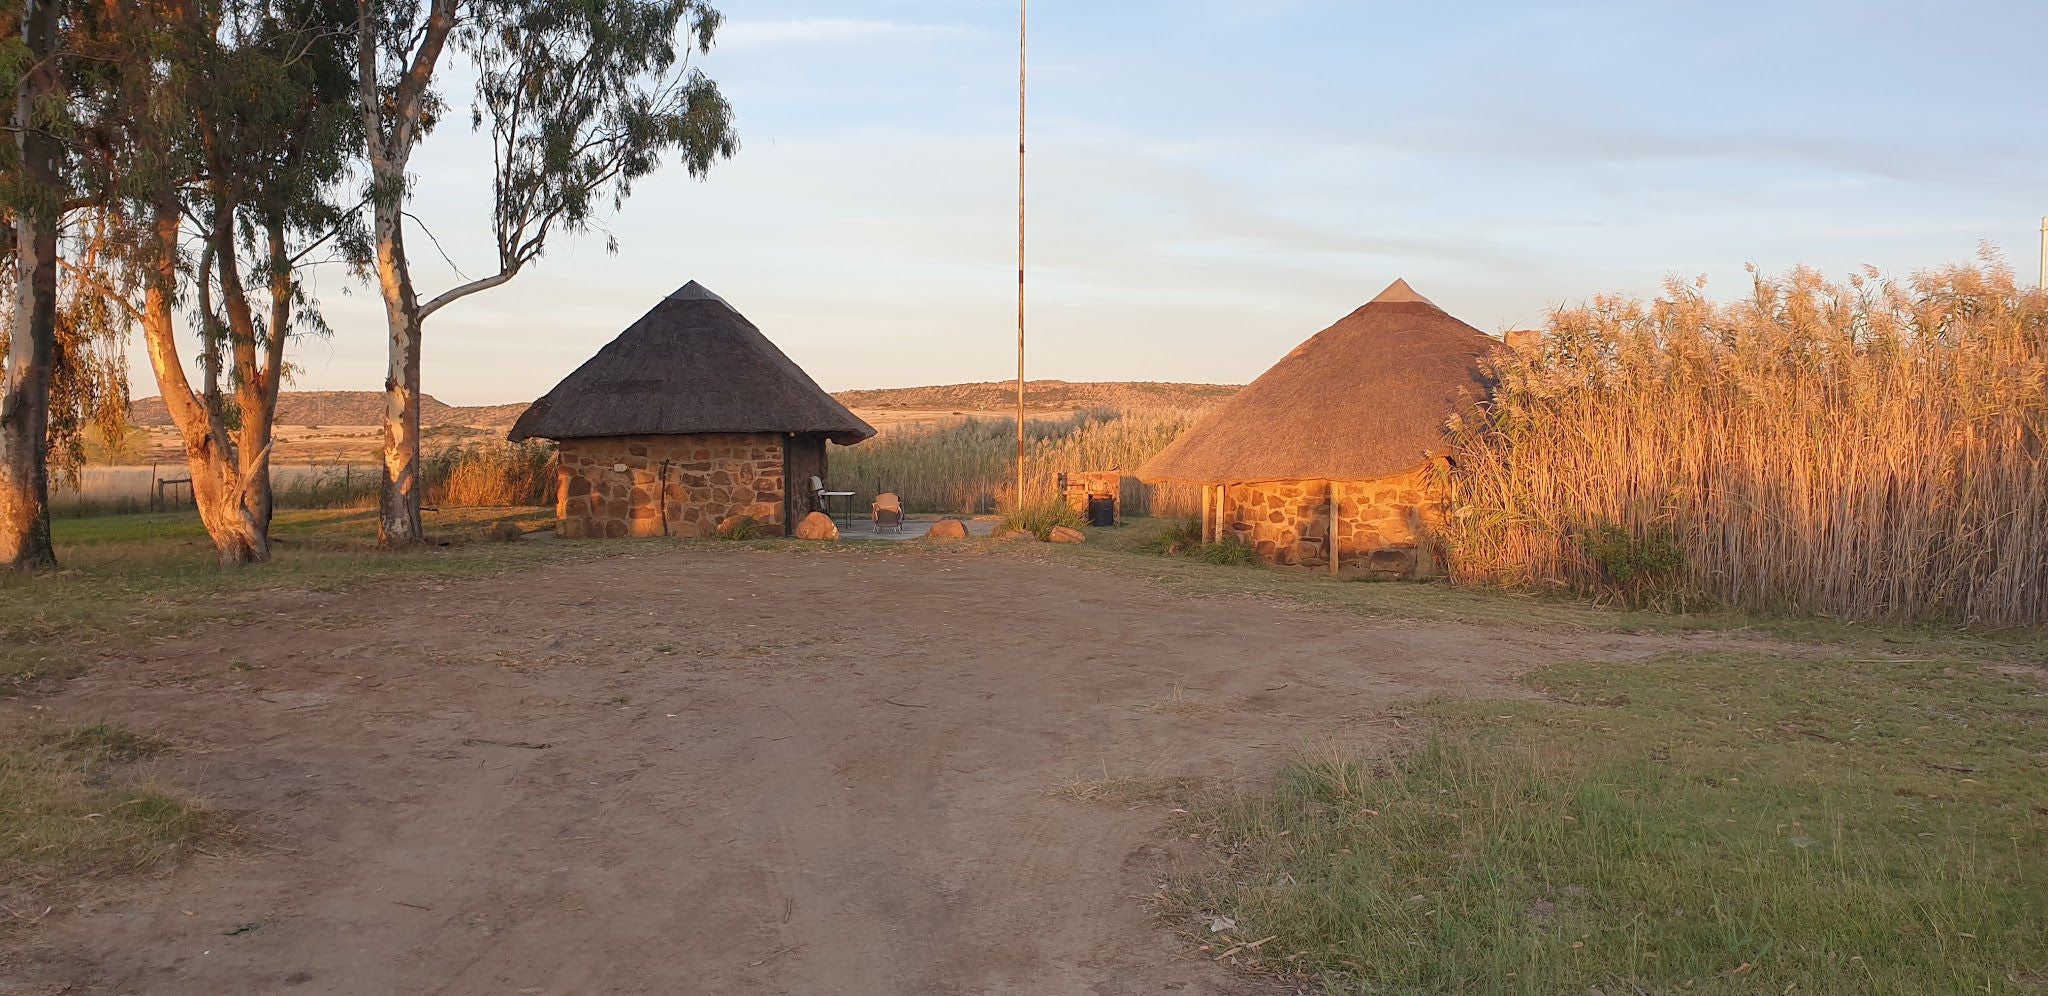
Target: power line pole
pixel 1022 51
pixel 2044 252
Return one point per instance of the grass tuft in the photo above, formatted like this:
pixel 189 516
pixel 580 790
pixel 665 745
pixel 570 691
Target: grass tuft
pixel 1041 518
pixel 68 808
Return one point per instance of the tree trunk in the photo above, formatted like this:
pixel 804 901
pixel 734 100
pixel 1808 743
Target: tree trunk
pixel 391 124
pixel 25 396
pixel 399 522
pixel 217 483
pixel 257 427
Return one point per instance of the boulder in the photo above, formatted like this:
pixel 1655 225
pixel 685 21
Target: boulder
pixel 1067 534
pixel 817 526
pixel 504 532
pixel 947 529
pixel 745 525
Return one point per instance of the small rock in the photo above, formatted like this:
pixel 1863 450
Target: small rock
pixel 1067 534
pixel 947 529
pixel 817 526
pixel 504 532
pixel 736 523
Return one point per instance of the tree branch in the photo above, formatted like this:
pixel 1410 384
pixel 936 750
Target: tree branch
pixel 457 293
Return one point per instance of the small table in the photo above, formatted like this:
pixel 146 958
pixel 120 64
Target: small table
pixel 847 504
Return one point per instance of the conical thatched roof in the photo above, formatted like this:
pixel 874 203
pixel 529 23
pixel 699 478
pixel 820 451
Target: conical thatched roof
pixel 693 364
pixel 1365 398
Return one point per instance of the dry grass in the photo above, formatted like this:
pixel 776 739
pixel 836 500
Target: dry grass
pixel 493 475
pixel 70 808
pixel 459 475
pixel 970 466
pixel 1868 450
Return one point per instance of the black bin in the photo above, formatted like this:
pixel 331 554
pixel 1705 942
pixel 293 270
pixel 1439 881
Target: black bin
pixel 1102 510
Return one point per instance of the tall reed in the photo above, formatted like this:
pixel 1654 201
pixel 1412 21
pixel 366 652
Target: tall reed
pixel 491 474
pixel 970 466
pixel 1871 449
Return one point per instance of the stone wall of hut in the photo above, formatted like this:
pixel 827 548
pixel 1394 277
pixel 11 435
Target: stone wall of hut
pixel 1380 524
pixel 613 487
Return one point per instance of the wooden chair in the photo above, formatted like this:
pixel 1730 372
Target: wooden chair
pixel 887 510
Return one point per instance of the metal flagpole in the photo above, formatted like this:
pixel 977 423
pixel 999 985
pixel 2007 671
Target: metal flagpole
pixel 1022 6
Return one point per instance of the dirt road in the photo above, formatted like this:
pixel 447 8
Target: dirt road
pixel 725 770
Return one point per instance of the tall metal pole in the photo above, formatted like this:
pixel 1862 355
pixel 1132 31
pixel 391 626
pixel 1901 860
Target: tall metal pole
pixel 1022 8
pixel 2044 252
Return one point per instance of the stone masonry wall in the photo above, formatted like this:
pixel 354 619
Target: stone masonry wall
pixel 710 476
pixel 1379 524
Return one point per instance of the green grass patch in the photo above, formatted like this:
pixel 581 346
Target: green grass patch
pixel 128 578
pixel 1041 518
pixel 68 810
pixel 1723 823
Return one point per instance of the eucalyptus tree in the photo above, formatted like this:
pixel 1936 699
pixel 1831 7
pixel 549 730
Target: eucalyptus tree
pixel 579 98
pixel 219 132
pixel 32 193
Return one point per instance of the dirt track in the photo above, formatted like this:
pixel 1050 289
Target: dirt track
pixel 713 770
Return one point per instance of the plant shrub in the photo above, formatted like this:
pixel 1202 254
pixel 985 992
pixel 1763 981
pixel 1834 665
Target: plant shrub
pixel 1040 518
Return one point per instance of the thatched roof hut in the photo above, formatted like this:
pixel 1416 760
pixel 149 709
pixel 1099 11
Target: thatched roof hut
pixel 1363 399
pixel 694 364
pixel 690 418
pixel 1321 461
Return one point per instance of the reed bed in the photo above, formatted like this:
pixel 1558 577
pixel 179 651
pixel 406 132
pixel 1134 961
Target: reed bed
pixel 1868 450
pixel 970 466
pixel 492 475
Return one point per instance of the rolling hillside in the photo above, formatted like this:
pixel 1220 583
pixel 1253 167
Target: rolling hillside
pixel 322 408
pixel 366 408
pixel 1040 395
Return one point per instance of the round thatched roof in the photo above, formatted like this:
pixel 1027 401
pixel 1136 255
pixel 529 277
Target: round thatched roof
pixel 1365 398
pixel 693 364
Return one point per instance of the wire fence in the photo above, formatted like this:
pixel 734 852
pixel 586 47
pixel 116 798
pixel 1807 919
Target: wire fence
pixel 163 487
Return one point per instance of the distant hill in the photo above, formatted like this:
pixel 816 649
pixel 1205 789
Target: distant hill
pixel 350 408
pixel 362 408
pixel 1040 395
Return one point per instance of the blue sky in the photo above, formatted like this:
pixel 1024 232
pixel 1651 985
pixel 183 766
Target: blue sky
pixel 1213 182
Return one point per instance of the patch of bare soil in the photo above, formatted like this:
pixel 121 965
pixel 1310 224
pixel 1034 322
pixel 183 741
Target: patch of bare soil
pixel 710 770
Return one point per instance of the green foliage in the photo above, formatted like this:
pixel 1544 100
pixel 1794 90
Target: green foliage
pixel 1634 564
pixel 1725 823
pixel 583 99
pixel 1226 553
pixel 746 529
pixel 1041 518
pixel 1183 538
pixel 1179 536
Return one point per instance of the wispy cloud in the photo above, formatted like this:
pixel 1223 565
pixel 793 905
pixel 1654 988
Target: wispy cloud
pixel 831 31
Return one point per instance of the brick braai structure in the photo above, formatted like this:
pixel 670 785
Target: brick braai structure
pixel 1362 404
pixel 689 416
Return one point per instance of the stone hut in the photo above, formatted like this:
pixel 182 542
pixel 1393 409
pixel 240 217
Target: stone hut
pixel 689 416
pixel 1351 420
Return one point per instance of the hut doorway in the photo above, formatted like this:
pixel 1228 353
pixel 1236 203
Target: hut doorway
pixel 803 457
